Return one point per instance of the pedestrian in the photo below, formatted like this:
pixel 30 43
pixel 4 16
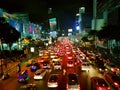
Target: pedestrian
pixel 18 68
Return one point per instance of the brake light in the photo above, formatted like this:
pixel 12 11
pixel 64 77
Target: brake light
pixel 56 83
pixel 106 69
pixel 100 69
pixel 99 88
pixel 116 84
pixel 108 88
pixel 48 83
pixel 67 86
pixel 112 69
pixel 117 69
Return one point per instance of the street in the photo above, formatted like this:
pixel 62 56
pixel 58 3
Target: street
pixel 83 77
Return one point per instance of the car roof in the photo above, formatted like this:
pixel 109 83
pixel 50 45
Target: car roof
pixel 100 81
pixel 53 77
pixel 72 79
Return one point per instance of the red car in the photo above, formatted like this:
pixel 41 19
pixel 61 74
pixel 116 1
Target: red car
pixel 113 79
pixel 98 83
pixel 70 63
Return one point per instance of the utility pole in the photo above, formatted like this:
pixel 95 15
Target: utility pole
pixel 94 13
pixel 95 19
pixel 1 61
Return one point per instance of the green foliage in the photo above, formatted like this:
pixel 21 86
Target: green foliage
pixel 8 34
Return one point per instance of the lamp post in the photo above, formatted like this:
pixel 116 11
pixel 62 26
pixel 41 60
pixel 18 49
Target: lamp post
pixel 94 18
pixel 1 61
pixel 94 13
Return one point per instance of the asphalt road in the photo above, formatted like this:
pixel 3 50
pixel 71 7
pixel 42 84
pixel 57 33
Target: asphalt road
pixel 83 77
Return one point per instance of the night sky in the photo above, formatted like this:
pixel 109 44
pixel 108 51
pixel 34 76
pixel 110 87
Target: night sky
pixel 64 10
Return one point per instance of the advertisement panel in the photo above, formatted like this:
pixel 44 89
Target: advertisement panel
pixel 53 23
pixel 17 25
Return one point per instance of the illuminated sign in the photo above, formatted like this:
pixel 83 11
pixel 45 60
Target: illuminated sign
pixel 70 30
pixel 53 26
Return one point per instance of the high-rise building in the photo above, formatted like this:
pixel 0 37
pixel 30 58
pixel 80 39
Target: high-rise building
pixel 109 10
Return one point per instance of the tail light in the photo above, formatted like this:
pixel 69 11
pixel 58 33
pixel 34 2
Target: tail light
pixel 99 88
pixel 56 83
pixel 67 86
pixel 112 69
pixel 108 88
pixel 116 84
pixel 106 69
pixel 117 69
pixel 48 83
pixel 100 69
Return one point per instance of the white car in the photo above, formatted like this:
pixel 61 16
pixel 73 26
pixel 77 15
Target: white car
pixel 85 66
pixel 53 81
pixel 72 82
pixel 39 74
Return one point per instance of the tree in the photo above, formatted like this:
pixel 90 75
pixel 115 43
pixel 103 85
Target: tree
pixel 8 34
pixel 109 33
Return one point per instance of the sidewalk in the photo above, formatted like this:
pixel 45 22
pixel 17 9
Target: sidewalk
pixel 10 66
pixel 13 65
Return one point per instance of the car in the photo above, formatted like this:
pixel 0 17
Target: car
pixel 53 81
pixel 53 55
pixel 85 66
pixel 46 65
pixel 102 69
pixel 41 53
pixel 72 82
pixel 41 60
pixel 23 77
pixel 57 65
pixel 39 74
pixel 98 83
pixel 112 67
pixel 56 59
pixel 70 63
pixel 113 79
pixel 35 67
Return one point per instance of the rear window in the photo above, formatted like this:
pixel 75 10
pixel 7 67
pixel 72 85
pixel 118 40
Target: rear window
pixel 70 62
pixel 72 79
pixel 53 78
pixel 85 64
pixel 46 63
pixel 57 64
pixel 39 72
pixel 101 82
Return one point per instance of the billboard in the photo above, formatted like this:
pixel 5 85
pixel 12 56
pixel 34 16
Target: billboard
pixel 17 25
pixel 53 24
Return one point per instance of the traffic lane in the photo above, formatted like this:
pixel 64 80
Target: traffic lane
pixel 10 83
pixel 84 78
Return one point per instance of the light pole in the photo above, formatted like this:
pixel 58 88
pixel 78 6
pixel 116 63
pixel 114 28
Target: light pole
pixel 94 13
pixel 94 18
pixel 1 61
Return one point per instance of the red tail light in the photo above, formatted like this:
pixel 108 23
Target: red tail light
pixel 116 84
pixel 108 88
